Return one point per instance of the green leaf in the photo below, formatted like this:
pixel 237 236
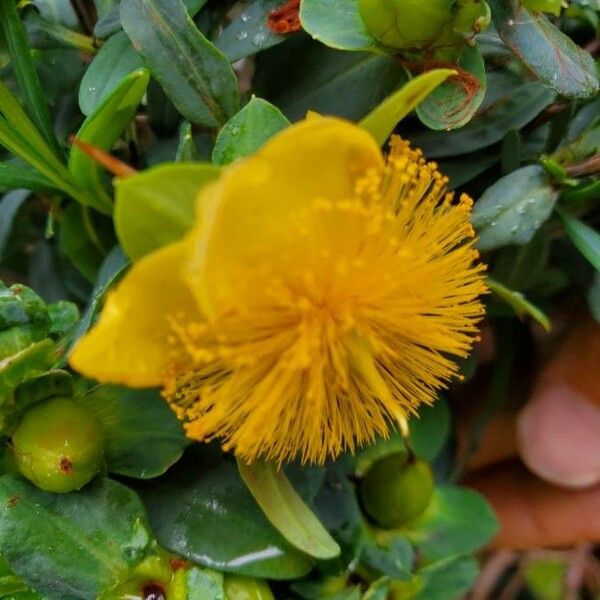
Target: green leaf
pixel 544 49
pixel 382 120
pixel 586 239
pixel 448 580
pixel 115 60
pixel 546 577
pixel 337 23
pixel 395 562
pixel 112 269
pixel 513 108
pixel 156 207
pixel 519 303
pixel 247 131
pixel 454 103
pixel 248 33
pixel 79 241
pixel 186 147
pixel 195 75
pixel 9 207
pixel 14 176
pixel 25 72
pixel 205 583
pixel 286 510
pixel 514 208
pixel 71 546
pixel 143 437
pixel 303 75
pixel 102 129
pixel 457 521
pixel 429 430
pixel 203 511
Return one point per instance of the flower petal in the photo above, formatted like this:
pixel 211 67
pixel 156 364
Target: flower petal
pixel 129 344
pixel 252 217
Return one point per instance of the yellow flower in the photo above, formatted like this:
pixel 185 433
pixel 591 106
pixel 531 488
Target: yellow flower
pixel 316 303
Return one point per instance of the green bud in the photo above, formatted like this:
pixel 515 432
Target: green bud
pixel 471 17
pixel 246 588
pixel 406 24
pixel 58 445
pixel 397 489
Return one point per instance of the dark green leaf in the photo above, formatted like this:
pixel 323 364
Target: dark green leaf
pixel 112 269
pixel 9 207
pixel 593 297
pixel 195 75
pixel 247 131
pixel 143 437
pixel 116 59
pixel 548 52
pixel 455 102
pixel 286 510
pixel 396 562
pixel 513 208
pixel 457 521
pixel 305 76
pixel 448 580
pixel 512 110
pixel 71 546
pixel 156 207
pixel 248 33
pixel 203 511
pixel 337 23
pixel 586 239
pixel 430 430
pixel 79 241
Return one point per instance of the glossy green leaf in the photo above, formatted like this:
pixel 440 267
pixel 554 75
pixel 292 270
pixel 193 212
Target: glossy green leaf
pixel 102 129
pixel 453 104
pixel 586 239
pixel 14 176
pixel 156 207
pixel 513 208
pixel 203 511
pixel 115 60
pixel 382 120
pixel 336 23
pixel 514 107
pixel 247 131
pixel 248 33
pixel 74 545
pixel 519 303
pixel 143 437
pixel 457 521
pixel 195 74
pixel 25 72
pixel 286 510
pixel 544 49
pixel 303 75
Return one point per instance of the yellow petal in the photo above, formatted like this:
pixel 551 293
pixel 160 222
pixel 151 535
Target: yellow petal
pixel 129 344
pixel 251 219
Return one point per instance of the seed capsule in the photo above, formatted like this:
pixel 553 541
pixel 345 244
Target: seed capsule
pixel 397 490
pixel 58 445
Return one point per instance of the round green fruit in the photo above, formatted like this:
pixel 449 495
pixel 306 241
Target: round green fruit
pixel 397 489
pixel 238 587
pixel 58 445
pixel 406 24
